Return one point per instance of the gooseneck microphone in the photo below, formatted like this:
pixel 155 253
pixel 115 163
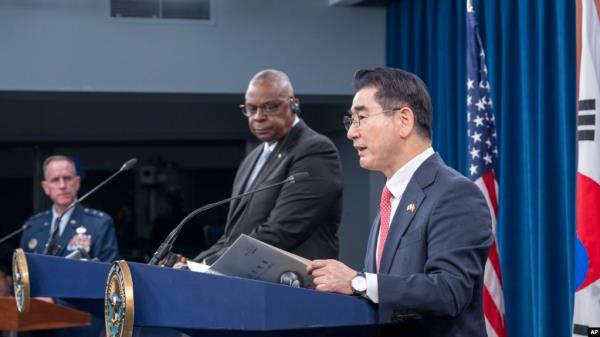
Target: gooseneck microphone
pixel 24 227
pixel 165 248
pixel 52 248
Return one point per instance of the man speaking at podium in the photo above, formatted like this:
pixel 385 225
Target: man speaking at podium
pixel 428 245
pixel 302 218
pixel 81 228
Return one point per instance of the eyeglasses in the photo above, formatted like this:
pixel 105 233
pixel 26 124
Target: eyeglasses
pixel 355 119
pixel 269 108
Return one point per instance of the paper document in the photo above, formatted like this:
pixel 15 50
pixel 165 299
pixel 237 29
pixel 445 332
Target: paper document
pixel 254 259
pixel 197 266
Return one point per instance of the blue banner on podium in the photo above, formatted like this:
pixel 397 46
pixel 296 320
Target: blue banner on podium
pixel 168 300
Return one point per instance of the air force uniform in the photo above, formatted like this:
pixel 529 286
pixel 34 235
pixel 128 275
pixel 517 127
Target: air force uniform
pixel 89 229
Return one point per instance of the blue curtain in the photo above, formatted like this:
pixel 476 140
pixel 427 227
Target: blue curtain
pixel 531 58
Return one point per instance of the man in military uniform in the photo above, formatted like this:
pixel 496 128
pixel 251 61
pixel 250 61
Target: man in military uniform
pixel 80 227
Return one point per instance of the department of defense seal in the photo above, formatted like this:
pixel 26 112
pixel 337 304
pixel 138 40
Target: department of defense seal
pixel 118 301
pixel 21 280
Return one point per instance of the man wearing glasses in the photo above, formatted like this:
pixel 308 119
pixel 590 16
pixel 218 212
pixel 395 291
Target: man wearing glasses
pixel 428 245
pixel 301 218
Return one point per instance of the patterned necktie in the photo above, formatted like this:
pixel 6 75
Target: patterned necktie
pixel 385 210
pixel 259 164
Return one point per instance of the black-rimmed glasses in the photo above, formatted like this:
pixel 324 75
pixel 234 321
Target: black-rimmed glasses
pixel 355 119
pixel 268 108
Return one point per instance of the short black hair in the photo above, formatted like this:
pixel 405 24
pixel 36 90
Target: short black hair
pixel 398 87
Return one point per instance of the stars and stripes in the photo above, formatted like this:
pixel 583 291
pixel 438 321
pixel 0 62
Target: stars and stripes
pixel 586 311
pixel 482 159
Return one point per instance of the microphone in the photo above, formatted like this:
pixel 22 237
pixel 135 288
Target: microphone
pixel 80 254
pixel 52 248
pixel 24 227
pixel 165 248
pixel 128 164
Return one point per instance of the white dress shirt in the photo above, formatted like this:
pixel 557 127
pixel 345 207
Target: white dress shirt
pixel 63 220
pixel 397 185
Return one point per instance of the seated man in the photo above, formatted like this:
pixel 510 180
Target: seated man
pixel 302 218
pixel 81 227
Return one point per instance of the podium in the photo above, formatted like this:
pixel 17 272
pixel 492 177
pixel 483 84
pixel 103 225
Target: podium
pixel 79 283
pixel 211 305
pixel 167 302
pixel 41 316
pixel 76 284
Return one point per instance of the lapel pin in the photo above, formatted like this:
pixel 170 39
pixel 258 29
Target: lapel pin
pixel 412 207
pixel 73 221
pixel 279 155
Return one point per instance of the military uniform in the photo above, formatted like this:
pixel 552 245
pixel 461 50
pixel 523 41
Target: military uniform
pixel 87 228
pixel 90 229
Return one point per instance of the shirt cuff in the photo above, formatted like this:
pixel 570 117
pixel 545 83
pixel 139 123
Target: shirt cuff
pixel 372 289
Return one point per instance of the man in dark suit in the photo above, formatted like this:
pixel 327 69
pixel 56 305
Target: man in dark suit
pixel 80 228
pixel 428 245
pixel 302 218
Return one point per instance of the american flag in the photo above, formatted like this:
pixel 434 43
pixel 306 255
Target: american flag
pixel 482 159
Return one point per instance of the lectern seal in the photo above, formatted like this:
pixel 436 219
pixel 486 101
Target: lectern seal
pixel 118 301
pixel 21 280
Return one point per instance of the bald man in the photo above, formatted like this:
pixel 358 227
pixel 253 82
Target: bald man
pixel 301 218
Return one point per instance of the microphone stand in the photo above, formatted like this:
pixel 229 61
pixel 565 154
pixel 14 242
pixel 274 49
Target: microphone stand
pixel 164 250
pixel 24 227
pixel 52 247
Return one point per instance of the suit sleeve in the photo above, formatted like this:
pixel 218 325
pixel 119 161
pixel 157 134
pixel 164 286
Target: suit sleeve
pixel 300 208
pixel 213 252
pixel 458 237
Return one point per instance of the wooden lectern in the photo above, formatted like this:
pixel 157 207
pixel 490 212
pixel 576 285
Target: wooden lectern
pixel 41 316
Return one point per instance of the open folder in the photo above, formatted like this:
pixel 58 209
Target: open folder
pixel 254 259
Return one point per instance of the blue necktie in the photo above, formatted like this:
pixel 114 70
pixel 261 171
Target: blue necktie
pixel 259 164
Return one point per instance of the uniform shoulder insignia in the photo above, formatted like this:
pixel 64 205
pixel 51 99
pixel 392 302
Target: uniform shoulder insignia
pixel 94 213
pixel 39 215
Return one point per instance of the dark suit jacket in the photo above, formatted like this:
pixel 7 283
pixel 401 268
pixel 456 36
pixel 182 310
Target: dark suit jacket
pixel 98 225
pixel 302 218
pixel 433 260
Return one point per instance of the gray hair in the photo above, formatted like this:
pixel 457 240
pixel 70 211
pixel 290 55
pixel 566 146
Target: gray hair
pixel 274 75
pixel 57 158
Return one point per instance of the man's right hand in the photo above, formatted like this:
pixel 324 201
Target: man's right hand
pixel 181 262
pixel 331 276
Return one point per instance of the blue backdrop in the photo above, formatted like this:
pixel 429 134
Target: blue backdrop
pixel 531 58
